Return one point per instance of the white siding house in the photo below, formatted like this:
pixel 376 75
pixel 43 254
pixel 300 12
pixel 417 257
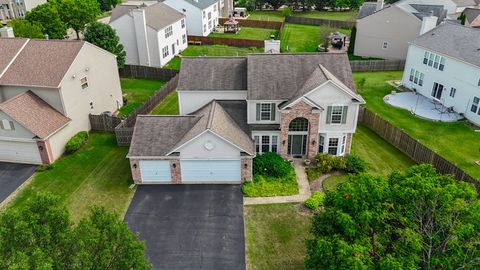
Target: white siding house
pixel 443 65
pixel 151 34
pixel 13 9
pixel 202 15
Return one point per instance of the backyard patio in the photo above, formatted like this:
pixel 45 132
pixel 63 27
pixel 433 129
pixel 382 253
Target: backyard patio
pixel 422 107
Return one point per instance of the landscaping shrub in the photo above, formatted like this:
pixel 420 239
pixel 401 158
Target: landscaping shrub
pixel 287 11
pixel 354 164
pixel 313 173
pixel 76 142
pixel 315 200
pixel 272 165
pixel 326 162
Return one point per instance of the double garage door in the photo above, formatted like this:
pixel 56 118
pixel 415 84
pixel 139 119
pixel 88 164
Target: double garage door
pixel 192 171
pixel 21 152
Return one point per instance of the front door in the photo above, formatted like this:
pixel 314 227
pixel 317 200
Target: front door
pixel 297 145
pixel 437 91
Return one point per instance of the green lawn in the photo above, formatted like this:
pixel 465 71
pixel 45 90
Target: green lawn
pixel 329 15
pixel 456 142
pixel 266 15
pixel 248 33
pixel 212 50
pixel 99 174
pixel 262 186
pixel 137 91
pixel 275 236
pixel 306 38
pixel 169 106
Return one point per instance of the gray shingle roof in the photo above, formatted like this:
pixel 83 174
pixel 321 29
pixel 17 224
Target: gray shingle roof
pixel 157 16
pixel 466 3
pixel 156 135
pixel 471 13
pixel 213 73
pixel 280 76
pixel 427 10
pixel 454 40
pixel 368 8
pixel 42 63
pixel 201 4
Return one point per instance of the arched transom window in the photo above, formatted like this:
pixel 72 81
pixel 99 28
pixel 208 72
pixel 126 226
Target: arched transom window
pixel 298 124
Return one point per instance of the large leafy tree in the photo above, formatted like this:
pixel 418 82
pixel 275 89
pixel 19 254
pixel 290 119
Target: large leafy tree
pixel 107 5
pixel 39 236
pixel 105 37
pixel 26 29
pixel 76 14
pixel 418 219
pixel 48 17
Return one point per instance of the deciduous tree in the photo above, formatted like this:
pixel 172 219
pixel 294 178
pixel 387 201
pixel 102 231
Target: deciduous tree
pixel 48 17
pixel 76 14
pixel 106 38
pixel 413 220
pixel 26 29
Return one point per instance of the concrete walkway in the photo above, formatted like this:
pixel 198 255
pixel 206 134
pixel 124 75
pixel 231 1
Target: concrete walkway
pixel 303 186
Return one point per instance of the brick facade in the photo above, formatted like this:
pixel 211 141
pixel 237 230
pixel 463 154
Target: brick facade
pixel 176 171
pixel 45 151
pixel 135 168
pixel 246 164
pixel 301 109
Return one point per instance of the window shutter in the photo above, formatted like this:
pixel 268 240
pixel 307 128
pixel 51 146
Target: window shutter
pixel 273 112
pixel 329 114
pixel 344 114
pixel 258 111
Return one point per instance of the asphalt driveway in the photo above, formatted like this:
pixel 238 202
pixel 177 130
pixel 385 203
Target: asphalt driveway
pixel 190 226
pixel 12 175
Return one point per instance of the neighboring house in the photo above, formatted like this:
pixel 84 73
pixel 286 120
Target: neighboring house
pixel 444 65
pixel 233 108
pixel 384 31
pixel 47 91
pixel 202 15
pixel 472 17
pixel 152 33
pixel 13 9
pixel 226 8
pixel 461 5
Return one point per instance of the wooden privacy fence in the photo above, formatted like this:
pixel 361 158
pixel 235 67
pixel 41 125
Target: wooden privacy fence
pixel 411 147
pixel 316 21
pixel 255 23
pixel 124 130
pixel 377 65
pixel 104 122
pixel 148 72
pixel 236 42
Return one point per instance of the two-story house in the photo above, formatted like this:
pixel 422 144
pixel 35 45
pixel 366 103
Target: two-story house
pixel 152 33
pixel 14 9
pixel 202 15
pixel 48 88
pixel 233 108
pixel 444 65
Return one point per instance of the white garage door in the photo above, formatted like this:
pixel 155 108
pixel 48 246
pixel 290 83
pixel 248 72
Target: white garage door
pixel 155 171
pixel 211 171
pixel 22 152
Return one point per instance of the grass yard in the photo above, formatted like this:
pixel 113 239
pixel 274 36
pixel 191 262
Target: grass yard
pixel 305 38
pixel 262 186
pixel 137 91
pixel 212 50
pixel 275 236
pixel 248 33
pixel 266 15
pixel 456 142
pixel 169 106
pixel 329 15
pixel 99 174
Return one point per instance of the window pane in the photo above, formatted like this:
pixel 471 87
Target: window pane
pixel 321 143
pixel 298 124
pixel 265 111
pixel 333 146
pixel 257 144
pixel 265 144
pixel 337 115
pixel 274 143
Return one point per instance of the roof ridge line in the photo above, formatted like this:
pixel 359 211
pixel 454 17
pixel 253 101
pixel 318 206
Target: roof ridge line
pixel 210 115
pixel 15 57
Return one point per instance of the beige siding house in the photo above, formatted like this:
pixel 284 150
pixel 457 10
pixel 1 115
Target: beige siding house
pixel 47 91
pixel 384 31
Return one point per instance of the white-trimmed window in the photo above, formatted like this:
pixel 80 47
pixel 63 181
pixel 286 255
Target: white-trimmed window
pixel 321 143
pixel 168 31
pixel 434 60
pixel 84 82
pixel 204 27
pixel 209 24
pixel 475 105
pixel 7 125
pixel 184 38
pixel 385 45
pixel 183 23
pixel 336 114
pixel 453 91
pixel 333 146
pixel 265 111
pixel 209 15
pixel 204 14
pixel 266 143
pixel 416 77
pixel 344 141
pixel 165 51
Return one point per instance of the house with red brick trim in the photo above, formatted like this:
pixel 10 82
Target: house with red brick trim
pixel 234 108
